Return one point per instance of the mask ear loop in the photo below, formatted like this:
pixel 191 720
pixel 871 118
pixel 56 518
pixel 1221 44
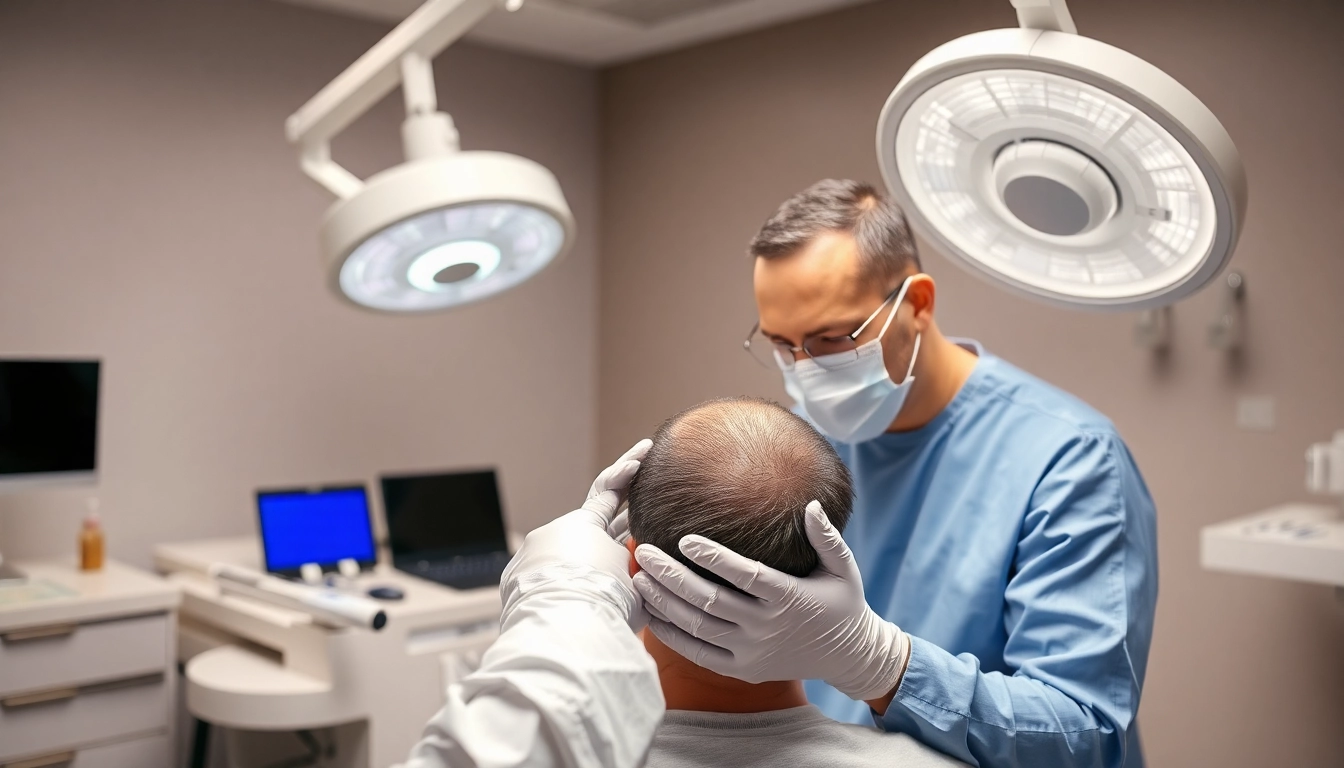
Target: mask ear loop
pixel 899 298
pixel 913 357
pixel 892 315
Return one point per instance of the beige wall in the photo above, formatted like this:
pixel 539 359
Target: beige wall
pixel 152 214
pixel 701 145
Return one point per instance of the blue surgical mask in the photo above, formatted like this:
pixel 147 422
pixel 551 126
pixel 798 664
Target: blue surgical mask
pixel 853 401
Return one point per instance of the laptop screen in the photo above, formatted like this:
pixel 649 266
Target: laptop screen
pixel 439 516
pixel 323 526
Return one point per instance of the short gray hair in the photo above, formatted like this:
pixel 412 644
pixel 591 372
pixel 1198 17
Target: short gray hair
pixel 739 471
pixel 886 247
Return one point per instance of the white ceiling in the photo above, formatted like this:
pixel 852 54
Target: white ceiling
pixel 597 32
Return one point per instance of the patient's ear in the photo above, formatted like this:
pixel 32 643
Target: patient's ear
pixel 630 544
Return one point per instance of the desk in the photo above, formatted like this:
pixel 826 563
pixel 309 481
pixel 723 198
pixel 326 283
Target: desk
pixel 87 676
pixel 256 666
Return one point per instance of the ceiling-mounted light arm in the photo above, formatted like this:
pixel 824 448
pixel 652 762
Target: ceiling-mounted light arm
pixel 427 132
pixel 407 48
pixel 1050 15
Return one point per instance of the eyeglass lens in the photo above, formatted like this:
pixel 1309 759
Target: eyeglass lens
pixel 828 352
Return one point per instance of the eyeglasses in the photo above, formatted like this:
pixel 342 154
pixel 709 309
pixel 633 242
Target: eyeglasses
pixel 826 351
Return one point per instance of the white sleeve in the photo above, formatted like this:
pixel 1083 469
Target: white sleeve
pixel 566 685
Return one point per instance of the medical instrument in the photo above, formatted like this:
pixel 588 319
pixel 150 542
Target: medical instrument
pixel 1227 331
pixel 447 527
pixel 309 531
pixel 386 593
pixel 328 606
pixel 1303 542
pixel 48 428
pixel 446 227
pixel 1152 329
pixel 1063 168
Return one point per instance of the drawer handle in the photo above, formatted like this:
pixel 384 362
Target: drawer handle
pixel 60 758
pixel 39 633
pixel 61 694
pixel 41 697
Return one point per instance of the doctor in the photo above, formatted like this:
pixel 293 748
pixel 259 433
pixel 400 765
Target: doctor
pixel 1005 537
pixel 567 684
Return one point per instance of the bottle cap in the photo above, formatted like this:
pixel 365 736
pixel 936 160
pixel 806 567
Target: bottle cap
pixel 92 520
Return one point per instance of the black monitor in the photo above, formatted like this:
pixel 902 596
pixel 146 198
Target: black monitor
pixel 48 422
pixel 441 516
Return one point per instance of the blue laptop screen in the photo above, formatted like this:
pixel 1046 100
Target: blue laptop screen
pixel 323 527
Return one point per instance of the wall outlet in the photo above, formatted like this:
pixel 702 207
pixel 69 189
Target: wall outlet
pixel 1255 412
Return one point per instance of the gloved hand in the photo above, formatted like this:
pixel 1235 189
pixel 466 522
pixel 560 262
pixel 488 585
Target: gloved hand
pixel 575 554
pixel 785 627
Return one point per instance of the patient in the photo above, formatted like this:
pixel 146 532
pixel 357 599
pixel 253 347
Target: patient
pixel 741 471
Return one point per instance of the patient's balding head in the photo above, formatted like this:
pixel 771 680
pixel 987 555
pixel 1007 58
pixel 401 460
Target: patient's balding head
pixel 739 471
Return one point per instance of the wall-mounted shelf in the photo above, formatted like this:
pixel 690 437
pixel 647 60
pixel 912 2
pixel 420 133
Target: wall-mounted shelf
pixel 1303 542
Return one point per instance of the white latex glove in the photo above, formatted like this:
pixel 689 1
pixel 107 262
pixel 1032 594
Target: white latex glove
pixel 785 627
pixel 575 554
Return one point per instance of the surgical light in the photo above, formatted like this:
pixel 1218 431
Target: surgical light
pixel 1062 167
pixel 446 227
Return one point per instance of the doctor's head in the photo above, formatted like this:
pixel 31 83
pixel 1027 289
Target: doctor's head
pixel 829 268
pixel 739 471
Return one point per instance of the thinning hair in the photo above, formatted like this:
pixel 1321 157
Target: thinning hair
pixel 886 247
pixel 739 471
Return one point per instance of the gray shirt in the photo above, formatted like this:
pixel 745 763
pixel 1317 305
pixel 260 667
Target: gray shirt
pixel 801 737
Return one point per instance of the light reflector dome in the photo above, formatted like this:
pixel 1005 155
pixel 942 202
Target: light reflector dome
pixel 446 231
pixel 1063 168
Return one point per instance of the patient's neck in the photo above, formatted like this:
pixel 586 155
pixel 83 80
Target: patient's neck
pixel 690 687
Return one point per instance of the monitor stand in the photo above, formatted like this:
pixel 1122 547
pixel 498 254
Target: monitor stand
pixel 9 574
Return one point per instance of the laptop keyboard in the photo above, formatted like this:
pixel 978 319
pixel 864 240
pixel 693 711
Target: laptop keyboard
pixel 460 572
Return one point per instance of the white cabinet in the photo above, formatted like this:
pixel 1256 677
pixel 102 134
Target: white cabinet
pixel 87 668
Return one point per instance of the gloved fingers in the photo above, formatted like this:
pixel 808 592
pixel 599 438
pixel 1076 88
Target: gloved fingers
pixel 638 451
pixel 832 551
pixel 677 579
pixel 620 527
pixel 744 573
pixel 687 617
pixel 652 610
pixel 617 476
pixel 698 652
pixel 600 508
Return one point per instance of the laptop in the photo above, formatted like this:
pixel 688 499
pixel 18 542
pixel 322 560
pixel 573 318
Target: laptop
pixel 447 527
pixel 315 525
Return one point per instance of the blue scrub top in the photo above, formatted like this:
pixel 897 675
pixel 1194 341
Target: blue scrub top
pixel 1014 540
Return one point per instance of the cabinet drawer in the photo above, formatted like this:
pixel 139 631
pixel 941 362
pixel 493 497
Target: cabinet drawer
pixel 140 753
pixel 52 657
pixel 92 716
